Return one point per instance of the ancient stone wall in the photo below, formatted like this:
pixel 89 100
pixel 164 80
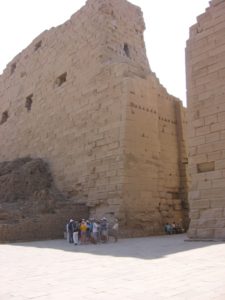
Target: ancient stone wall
pixel 41 227
pixel 205 55
pixel 31 206
pixel 82 96
pixel 155 156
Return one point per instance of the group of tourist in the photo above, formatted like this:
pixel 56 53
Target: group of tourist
pixel 173 228
pixel 91 231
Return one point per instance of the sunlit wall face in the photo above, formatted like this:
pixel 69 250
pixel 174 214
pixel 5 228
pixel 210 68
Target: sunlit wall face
pixel 167 26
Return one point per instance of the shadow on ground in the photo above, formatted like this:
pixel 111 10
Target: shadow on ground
pixel 142 248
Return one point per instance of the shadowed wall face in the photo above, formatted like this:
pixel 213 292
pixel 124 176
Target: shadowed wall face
pixel 205 57
pixel 82 96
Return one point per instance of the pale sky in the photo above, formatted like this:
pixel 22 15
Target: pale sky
pixel 167 29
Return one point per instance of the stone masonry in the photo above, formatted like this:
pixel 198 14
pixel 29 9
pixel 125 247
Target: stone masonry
pixel 205 55
pixel 82 97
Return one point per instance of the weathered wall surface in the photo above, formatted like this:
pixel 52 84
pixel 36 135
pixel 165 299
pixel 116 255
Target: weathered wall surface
pixel 41 227
pixel 155 188
pixel 82 96
pixel 205 56
pixel 31 206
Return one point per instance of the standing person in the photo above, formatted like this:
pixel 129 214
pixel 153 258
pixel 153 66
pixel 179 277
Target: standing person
pixel 71 230
pixel 104 230
pixel 79 234
pixel 67 232
pixel 168 228
pixel 83 229
pixel 98 231
pixel 173 227
pixel 75 233
pixel 115 230
pixel 95 229
pixel 88 231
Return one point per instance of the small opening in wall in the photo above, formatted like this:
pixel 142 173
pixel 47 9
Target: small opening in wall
pixel 61 79
pixel 174 195
pixel 13 68
pixel 37 45
pixel 5 117
pixel 126 50
pixel 206 167
pixel 29 101
pixel 185 161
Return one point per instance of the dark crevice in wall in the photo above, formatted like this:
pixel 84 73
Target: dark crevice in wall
pixel 5 116
pixel 13 68
pixel 37 45
pixel 61 79
pixel 126 50
pixel 29 101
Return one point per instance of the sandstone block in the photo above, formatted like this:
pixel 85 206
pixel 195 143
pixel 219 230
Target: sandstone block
pixel 194 214
pixel 194 195
pixel 218 203
pixel 205 233
pixel 219 233
pixel 200 204
pixel 205 184
pixel 212 137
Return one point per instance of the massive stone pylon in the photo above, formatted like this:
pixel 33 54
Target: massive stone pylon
pixel 82 96
pixel 205 56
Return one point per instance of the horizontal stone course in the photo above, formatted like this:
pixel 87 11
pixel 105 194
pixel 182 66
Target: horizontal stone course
pixel 41 227
pixel 100 117
pixel 206 105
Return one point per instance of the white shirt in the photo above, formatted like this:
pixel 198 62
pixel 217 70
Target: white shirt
pixel 95 227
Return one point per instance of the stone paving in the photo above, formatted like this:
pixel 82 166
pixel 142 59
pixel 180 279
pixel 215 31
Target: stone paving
pixel 166 267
